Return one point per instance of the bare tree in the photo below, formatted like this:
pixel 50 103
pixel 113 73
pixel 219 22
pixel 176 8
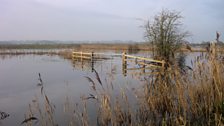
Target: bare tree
pixel 165 34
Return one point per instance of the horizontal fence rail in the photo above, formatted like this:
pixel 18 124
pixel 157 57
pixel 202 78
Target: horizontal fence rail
pixel 143 62
pixel 82 55
pixel 93 55
pixel 143 58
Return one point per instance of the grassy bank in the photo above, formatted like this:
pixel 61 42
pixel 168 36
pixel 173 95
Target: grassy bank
pixel 94 46
pixel 116 46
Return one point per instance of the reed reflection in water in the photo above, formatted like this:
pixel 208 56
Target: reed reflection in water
pixel 19 79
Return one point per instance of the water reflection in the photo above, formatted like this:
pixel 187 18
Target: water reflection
pixel 84 65
pixel 19 76
pixel 64 82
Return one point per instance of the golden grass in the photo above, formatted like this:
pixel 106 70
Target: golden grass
pixel 170 98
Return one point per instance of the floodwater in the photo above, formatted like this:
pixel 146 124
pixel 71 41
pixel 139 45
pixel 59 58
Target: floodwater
pixel 63 81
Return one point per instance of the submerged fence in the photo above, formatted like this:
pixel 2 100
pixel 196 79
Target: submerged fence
pixel 142 62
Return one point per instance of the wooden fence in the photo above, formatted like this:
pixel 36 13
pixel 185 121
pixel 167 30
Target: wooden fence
pixel 144 63
pixel 81 56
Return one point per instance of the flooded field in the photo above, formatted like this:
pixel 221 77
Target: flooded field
pixel 64 84
pixel 63 81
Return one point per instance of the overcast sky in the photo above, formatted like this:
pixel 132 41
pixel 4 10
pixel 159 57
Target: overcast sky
pixel 103 19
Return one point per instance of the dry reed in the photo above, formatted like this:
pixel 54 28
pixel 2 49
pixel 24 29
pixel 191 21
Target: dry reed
pixel 170 98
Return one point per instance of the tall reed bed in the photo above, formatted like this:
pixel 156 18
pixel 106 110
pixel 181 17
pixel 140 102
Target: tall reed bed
pixel 173 97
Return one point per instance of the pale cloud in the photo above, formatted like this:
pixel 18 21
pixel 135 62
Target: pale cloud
pixel 68 3
pixel 103 19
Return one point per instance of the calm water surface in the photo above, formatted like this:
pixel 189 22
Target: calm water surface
pixel 61 79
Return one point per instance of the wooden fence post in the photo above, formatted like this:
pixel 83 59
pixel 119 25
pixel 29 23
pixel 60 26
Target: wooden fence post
pixel 73 56
pixel 124 64
pixel 143 66
pixel 81 60
pixel 163 63
pixel 81 55
pixel 163 67
pixel 92 61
